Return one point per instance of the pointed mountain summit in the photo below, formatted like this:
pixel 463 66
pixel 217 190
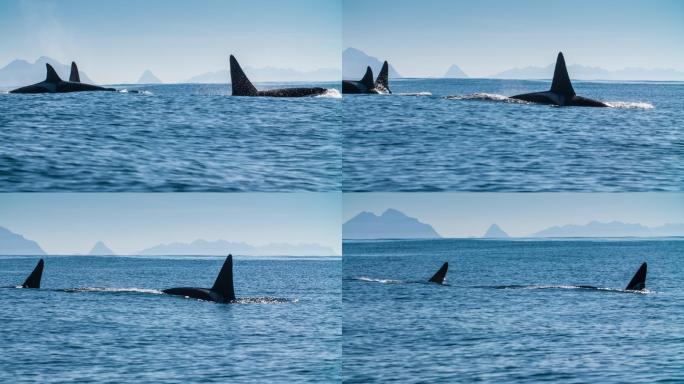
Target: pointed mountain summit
pixel 392 224
pixel 495 232
pixel 100 249
pixel 148 77
pixel 14 244
pixel 455 72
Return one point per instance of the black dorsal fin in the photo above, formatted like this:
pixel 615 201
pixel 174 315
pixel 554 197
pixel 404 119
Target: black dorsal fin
pixel 638 282
pixel 52 76
pixel 561 80
pixel 74 77
pixel 239 81
pixel 224 281
pixel 367 79
pixel 383 77
pixel 440 275
pixel 33 281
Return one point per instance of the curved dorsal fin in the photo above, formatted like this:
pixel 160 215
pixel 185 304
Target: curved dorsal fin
pixel 74 77
pixel 383 78
pixel 33 281
pixel 638 282
pixel 367 79
pixel 440 275
pixel 224 281
pixel 561 80
pixel 239 81
pixel 52 76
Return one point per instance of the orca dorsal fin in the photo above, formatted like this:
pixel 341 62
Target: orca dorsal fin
pixel 638 282
pixel 561 80
pixel 74 77
pixel 383 77
pixel 52 76
pixel 239 81
pixel 33 281
pixel 367 79
pixel 224 281
pixel 440 275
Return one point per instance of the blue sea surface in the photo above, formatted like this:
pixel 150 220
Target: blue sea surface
pixel 511 312
pixel 118 327
pixel 466 135
pixel 185 137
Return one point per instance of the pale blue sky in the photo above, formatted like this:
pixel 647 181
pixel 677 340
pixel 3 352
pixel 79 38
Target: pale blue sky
pixel 114 41
pixel 129 222
pixel 520 214
pixel 484 37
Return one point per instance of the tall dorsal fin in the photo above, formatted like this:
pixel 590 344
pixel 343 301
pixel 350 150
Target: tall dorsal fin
pixel 239 81
pixel 638 282
pixel 74 77
pixel 367 79
pixel 561 80
pixel 440 275
pixel 383 78
pixel 33 281
pixel 52 76
pixel 224 281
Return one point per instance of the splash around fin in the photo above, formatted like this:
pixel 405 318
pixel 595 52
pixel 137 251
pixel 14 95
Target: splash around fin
pixel 33 280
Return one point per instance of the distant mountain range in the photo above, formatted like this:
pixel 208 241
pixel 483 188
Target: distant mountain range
pixel 222 247
pixel 392 224
pixel 455 72
pixel 355 61
pixel 21 72
pixel 148 77
pixel 495 232
pixel 270 74
pixel 100 249
pixel 581 72
pixel 15 244
pixel 612 229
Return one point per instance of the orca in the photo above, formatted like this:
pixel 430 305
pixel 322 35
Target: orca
pixel 366 84
pixel 561 92
pixel 243 87
pixel 438 278
pixel 33 280
pixel 221 292
pixel 638 282
pixel 53 83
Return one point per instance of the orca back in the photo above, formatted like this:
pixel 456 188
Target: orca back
pixel 74 76
pixel 33 280
pixel 638 282
pixel 440 275
pixel 561 80
pixel 224 281
pixel 239 81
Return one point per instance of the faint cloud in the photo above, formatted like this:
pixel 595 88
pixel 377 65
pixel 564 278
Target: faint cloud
pixel 47 32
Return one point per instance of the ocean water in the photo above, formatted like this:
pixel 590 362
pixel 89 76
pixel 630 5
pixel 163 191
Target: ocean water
pixel 187 137
pixel 510 312
pixel 418 139
pixel 118 327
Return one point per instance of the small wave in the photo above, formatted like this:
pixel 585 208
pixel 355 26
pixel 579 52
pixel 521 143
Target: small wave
pixel 140 92
pixel 630 105
pixel 331 93
pixel 414 94
pixel 129 290
pixel 264 300
pixel 383 281
pixel 582 287
pixel 486 97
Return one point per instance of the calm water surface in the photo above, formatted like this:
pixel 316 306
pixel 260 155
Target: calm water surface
pixel 186 137
pixel 510 312
pixel 419 140
pixel 119 327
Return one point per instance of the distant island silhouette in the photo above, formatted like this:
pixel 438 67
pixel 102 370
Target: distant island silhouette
pixel 392 224
pixel 355 61
pixel 14 244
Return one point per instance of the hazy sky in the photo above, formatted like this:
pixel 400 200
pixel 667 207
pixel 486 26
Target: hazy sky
pixel 129 222
pixel 115 41
pixel 520 214
pixel 484 37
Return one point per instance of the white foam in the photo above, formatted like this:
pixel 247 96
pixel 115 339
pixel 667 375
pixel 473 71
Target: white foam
pixel 131 290
pixel 630 105
pixel 486 96
pixel 331 93
pixel 383 281
pixel 414 94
